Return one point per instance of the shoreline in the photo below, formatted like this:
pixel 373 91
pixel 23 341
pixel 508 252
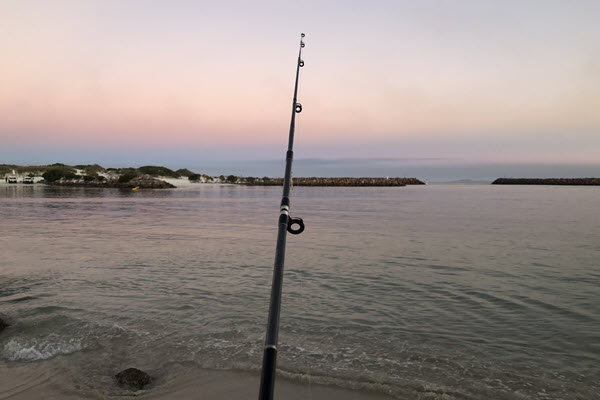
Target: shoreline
pixel 49 380
pixel 159 177
pixel 160 182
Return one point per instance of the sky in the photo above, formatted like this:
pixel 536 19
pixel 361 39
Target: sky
pixel 193 83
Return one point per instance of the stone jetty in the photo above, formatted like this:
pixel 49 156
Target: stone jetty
pixel 548 181
pixel 339 182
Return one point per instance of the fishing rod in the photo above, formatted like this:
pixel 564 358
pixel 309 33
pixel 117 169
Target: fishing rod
pixel 286 224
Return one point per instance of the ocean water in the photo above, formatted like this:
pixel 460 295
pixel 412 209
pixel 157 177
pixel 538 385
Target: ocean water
pixel 420 292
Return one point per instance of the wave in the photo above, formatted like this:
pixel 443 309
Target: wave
pixel 39 349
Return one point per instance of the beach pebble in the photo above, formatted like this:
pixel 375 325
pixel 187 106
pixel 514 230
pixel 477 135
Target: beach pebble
pixel 133 378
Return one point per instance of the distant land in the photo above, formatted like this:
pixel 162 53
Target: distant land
pixel 438 170
pixel 427 170
pixel 548 181
pixel 158 177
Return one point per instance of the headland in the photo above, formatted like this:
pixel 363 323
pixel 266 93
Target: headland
pixel 158 177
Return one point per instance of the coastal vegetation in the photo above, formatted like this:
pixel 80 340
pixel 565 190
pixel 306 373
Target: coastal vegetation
pixel 185 172
pixel 158 171
pixel 60 172
pixel 90 169
pixel 36 170
pixel 232 179
pixel 127 176
pixel 151 176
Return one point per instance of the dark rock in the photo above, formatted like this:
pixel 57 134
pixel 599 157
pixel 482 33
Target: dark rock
pixel 141 182
pixel 133 378
pixel 147 182
pixel 3 324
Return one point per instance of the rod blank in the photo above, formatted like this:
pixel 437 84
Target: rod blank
pixel 267 379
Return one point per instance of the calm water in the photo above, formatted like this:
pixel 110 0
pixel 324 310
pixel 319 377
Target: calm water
pixel 443 291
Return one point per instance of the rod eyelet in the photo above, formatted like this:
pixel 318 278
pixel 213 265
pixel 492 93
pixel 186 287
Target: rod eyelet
pixel 301 63
pixel 295 221
pixel 302 44
pixel 298 107
pixel 302 34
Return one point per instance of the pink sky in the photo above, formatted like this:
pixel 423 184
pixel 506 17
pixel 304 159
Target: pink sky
pixel 513 81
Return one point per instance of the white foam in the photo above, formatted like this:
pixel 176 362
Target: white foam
pixel 33 350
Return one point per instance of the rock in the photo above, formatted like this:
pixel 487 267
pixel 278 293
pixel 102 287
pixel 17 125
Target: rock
pixel 149 182
pixel 547 181
pixel 133 378
pixel 141 181
pixel 317 181
pixel 3 324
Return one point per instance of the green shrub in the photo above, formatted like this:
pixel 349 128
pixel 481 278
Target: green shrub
pixel 250 180
pixel 54 174
pixel 127 176
pixel 184 172
pixel 158 171
pixel 93 169
pixel 194 177
pixel 89 178
pixel 231 178
pixel 100 178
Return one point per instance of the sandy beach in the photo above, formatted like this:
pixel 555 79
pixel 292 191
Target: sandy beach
pixel 49 381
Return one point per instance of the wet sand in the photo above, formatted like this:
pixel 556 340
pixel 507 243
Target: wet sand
pixel 32 381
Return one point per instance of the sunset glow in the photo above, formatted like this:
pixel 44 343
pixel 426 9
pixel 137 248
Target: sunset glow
pixel 470 81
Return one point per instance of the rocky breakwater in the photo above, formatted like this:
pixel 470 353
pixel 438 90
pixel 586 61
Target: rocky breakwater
pixel 144 182
pixel 340 182
pixel 123 182
pixel 548 181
